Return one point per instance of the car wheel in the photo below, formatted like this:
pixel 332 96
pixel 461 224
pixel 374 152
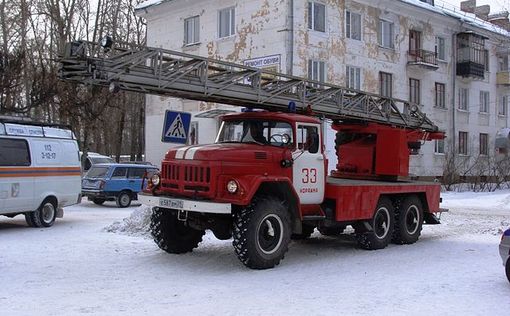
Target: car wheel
pixel 379 236
pixel 408 221
pixel 98 201
pixel 123 199
pixel 507 269
pixel 262 233
pixel 45 215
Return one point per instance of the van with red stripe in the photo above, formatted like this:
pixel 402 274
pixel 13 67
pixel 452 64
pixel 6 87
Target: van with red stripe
pixel 40 171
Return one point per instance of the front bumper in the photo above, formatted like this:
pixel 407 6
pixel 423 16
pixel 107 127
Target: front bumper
pixel 185 204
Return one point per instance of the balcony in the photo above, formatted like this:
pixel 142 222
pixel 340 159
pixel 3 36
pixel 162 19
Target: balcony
pixel 503 78
pixel 422 58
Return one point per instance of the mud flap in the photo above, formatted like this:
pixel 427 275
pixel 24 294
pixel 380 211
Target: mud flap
pixel 432 219
pixel 60 212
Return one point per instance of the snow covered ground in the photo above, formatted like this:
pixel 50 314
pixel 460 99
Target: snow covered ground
pixel 88 264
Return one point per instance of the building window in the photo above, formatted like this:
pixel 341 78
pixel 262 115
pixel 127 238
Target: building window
pixel 353 25
pixel 486 59
pixel 503 63
pixel 385 34
pixel 503 105
pixel 463 99
pixel 484 101
pixel 484 144
pixel 414 91
pixel 226 22
pixel 440 101
pixel 191 30
pixel 385 84
pixel 463 143
pixel 317 70
pixel 317 16
pixel 439 146
pixel 440 48
pixel 353 77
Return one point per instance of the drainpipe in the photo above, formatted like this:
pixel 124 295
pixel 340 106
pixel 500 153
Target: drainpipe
pixel 454 79
pixel 290 69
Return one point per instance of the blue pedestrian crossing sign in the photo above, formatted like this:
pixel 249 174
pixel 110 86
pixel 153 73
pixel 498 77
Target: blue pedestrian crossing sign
pixel 176 127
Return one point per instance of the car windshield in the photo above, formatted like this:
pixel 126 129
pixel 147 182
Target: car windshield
pixel 262 132
pixel 97 172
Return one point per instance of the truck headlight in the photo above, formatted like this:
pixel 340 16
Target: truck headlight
pixel 232 186
pixel 155 180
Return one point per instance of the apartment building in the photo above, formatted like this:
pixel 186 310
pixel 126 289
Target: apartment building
pixel 452 62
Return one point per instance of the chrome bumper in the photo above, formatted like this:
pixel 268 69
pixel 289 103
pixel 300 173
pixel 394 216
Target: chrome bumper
pixel 185 204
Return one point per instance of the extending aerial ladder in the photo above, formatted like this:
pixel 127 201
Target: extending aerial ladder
pixel 175 74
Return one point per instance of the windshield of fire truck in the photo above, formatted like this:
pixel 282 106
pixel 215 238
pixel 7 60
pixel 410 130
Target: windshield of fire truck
pixel 262 132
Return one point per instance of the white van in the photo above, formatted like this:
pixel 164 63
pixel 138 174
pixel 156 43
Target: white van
pixel 39 171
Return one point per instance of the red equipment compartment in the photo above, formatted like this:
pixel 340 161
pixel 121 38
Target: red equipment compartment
pixel 357 199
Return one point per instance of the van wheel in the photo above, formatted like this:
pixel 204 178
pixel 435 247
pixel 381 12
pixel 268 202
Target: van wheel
pixel 28 219
pixel 123 199
pixel 45 215
pixel 98 201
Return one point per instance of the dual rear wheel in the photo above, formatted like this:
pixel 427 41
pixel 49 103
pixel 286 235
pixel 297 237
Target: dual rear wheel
pixel 401 225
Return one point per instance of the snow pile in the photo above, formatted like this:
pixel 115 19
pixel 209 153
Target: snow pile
pixel 137 224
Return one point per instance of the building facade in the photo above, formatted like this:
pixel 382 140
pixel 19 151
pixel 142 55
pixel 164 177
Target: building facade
pixel 453 63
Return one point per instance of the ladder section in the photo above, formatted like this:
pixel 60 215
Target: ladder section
pixel 164 72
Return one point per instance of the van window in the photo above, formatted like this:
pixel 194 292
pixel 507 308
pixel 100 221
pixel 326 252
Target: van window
pixel 14 152
pixel 119 172
pixel 136 173
pixel 97 172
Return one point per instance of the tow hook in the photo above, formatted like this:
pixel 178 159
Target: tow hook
pixel 182 216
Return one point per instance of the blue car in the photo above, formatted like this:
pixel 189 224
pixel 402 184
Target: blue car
pixel 115 182
pixel 504 251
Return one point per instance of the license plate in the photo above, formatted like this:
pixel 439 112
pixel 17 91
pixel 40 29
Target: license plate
pixel 170 203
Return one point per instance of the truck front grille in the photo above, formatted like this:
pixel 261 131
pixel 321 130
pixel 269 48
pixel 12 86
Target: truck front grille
pixel 183 178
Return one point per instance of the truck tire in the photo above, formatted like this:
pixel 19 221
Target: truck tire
pixel 98 201
pixel 262 233
pixel 171 234
pixel 45 215
pixel 306 232
pixel 408 221
pixel 123 200
pixel 382 227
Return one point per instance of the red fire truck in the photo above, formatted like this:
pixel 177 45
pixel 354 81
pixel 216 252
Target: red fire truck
pixel 264 181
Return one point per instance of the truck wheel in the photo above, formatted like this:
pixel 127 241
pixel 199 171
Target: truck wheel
pixel 171 234
pixel 408 221
pixel 45 215
pixel 123 199
pixel 306 232
pixel 382 226
pixel 262 233
pixel 98 201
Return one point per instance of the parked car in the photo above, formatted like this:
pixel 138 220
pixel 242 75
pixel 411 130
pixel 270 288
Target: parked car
pixel 39 171
pixel 115 182
pixel 504 251
pixel 91 158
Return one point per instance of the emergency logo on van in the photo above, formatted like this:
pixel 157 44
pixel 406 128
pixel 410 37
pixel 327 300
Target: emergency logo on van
pixel 15 190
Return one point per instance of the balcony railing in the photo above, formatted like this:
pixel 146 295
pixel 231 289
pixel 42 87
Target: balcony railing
pixel 423 58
